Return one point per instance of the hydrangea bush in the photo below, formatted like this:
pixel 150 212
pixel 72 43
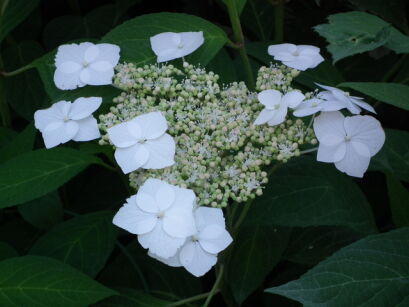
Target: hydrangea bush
pixel 224 177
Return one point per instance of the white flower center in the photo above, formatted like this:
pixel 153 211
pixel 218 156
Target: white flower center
pixel 295 53
pixel 180 46
pixel 160 215
pixel 142 141
pixel 85 64
pixel 314 104
pixel 347 138
pixel 66 119
pixel 195 239
pixel 276 107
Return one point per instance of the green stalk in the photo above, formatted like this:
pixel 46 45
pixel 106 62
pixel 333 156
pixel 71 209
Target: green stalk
pixel 17 71
pixel 215 288
pixel 239 37
pixel 190 299
pixel 279 22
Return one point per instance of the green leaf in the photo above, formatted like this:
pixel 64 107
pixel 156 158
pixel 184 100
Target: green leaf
pixel 25 92
pixel 256 16
pixel 356 32
pixel 15 12
pixel 43 212
pixel 325 73
pixel 159 277
pixel 6 251
pixel 258 50
pixel 40 281
pixel 394 155
pixel 23 142
pixel 255 253
pixel 133 36
pixel 18 233
pixel 6 136
pixel 304 192
pixel 34 174
pixel 84 242
pixel 132 298
pixel 240 4
pixel 223 65
pixel 392 93
pixel 399 201
pixel 392 11
pixel 313 244
pixel 371 272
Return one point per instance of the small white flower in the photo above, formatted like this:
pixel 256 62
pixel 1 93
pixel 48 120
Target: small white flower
pixel 85 63
pixel 65 121
pixel 199 254
pixel 314 105
pixel 161 215
pixel 341 99
pixel 142 142
pixel 276 105
pixel 170 45
pixel 300 57
pixel 349 142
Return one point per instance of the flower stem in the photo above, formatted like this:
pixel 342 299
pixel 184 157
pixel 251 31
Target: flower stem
pixel 243 215
pixel 17 71
pixel 190 299
pixel 239 37
pixel 308 150
pixel 215 286
pixel 279 21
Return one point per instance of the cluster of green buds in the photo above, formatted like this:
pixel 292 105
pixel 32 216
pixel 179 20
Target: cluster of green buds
pixel 220 153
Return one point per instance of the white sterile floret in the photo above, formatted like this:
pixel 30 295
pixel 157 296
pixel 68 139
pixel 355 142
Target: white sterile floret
pixel 85 63
pixel 65 121
pixel 349 142
pixel 199 254
pixel 315 104
pixel 276 105
pixel 341 99
pixel 161 215
pixel 143 143
pixel 300 57
pixel 169 45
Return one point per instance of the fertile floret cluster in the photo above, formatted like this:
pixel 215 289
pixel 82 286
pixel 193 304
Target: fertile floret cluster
pixel 220 154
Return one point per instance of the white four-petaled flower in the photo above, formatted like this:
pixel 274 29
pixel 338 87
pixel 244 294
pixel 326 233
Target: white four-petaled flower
pixel 143 143
pixel 349 142
pixel 199 254
pixel 300 57
pixel 65 121
pixel 170 45
pixel 276 105
pixel 85 63
pixel 341 99
pixel 161 215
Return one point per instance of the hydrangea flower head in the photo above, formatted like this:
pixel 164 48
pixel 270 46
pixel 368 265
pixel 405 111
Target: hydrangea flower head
pixel 65 121
pixel 142 142
pixel 349 142
pixel 199 254
pixel 170 45
pixel 85 63
pixel 342 99
pixel 161 215
pixel 300 57
pixel 276 105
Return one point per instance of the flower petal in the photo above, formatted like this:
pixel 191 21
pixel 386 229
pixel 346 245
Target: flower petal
pixel 172 261
pixel 292 99
pixel 331 154
pixel 179 222
pixel 214 239
pixel 151 185
pixel 96 77
pixel 308 107
pixel 273 50
pixel 146 202
pixel 300 62
pixel 354 163
pixel 85 75
pixel 366 130
pixel 91 53
pixel 161 152
pixel 160 243
pixel 363 104
pixel 131 158
pixel 121 136
pixel 329 125
pixel 108 53
pixel 205 216
pixel 278 116
pixel 65 81
pixel 54 114
pixel 84 107
pixel 164 197
pixel 101 66
pixel 264 116
pixel 197 261
pixel 88 130
pixel 71 53
pixel 270 98
pixel 59 133
pixel 153 125
pixel 69 67
pixel 191 41
pixel 134 220
pixel 163 45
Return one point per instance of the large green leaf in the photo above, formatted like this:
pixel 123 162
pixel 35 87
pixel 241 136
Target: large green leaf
pixel 23 142
pixel 15 12
pixel 392 93
pixel 34 174
pixel 7 251
pixel 25 92
pixel 40 281
pixel 43 212
pixel 133 36
pixel 399 201
pixel 394 155
pixel 84 242
pixel 257 17
pixel 132 298
pixel 356 32
pixel 256 252
pixel 371 272
pixel 223 65
pixel 304 192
